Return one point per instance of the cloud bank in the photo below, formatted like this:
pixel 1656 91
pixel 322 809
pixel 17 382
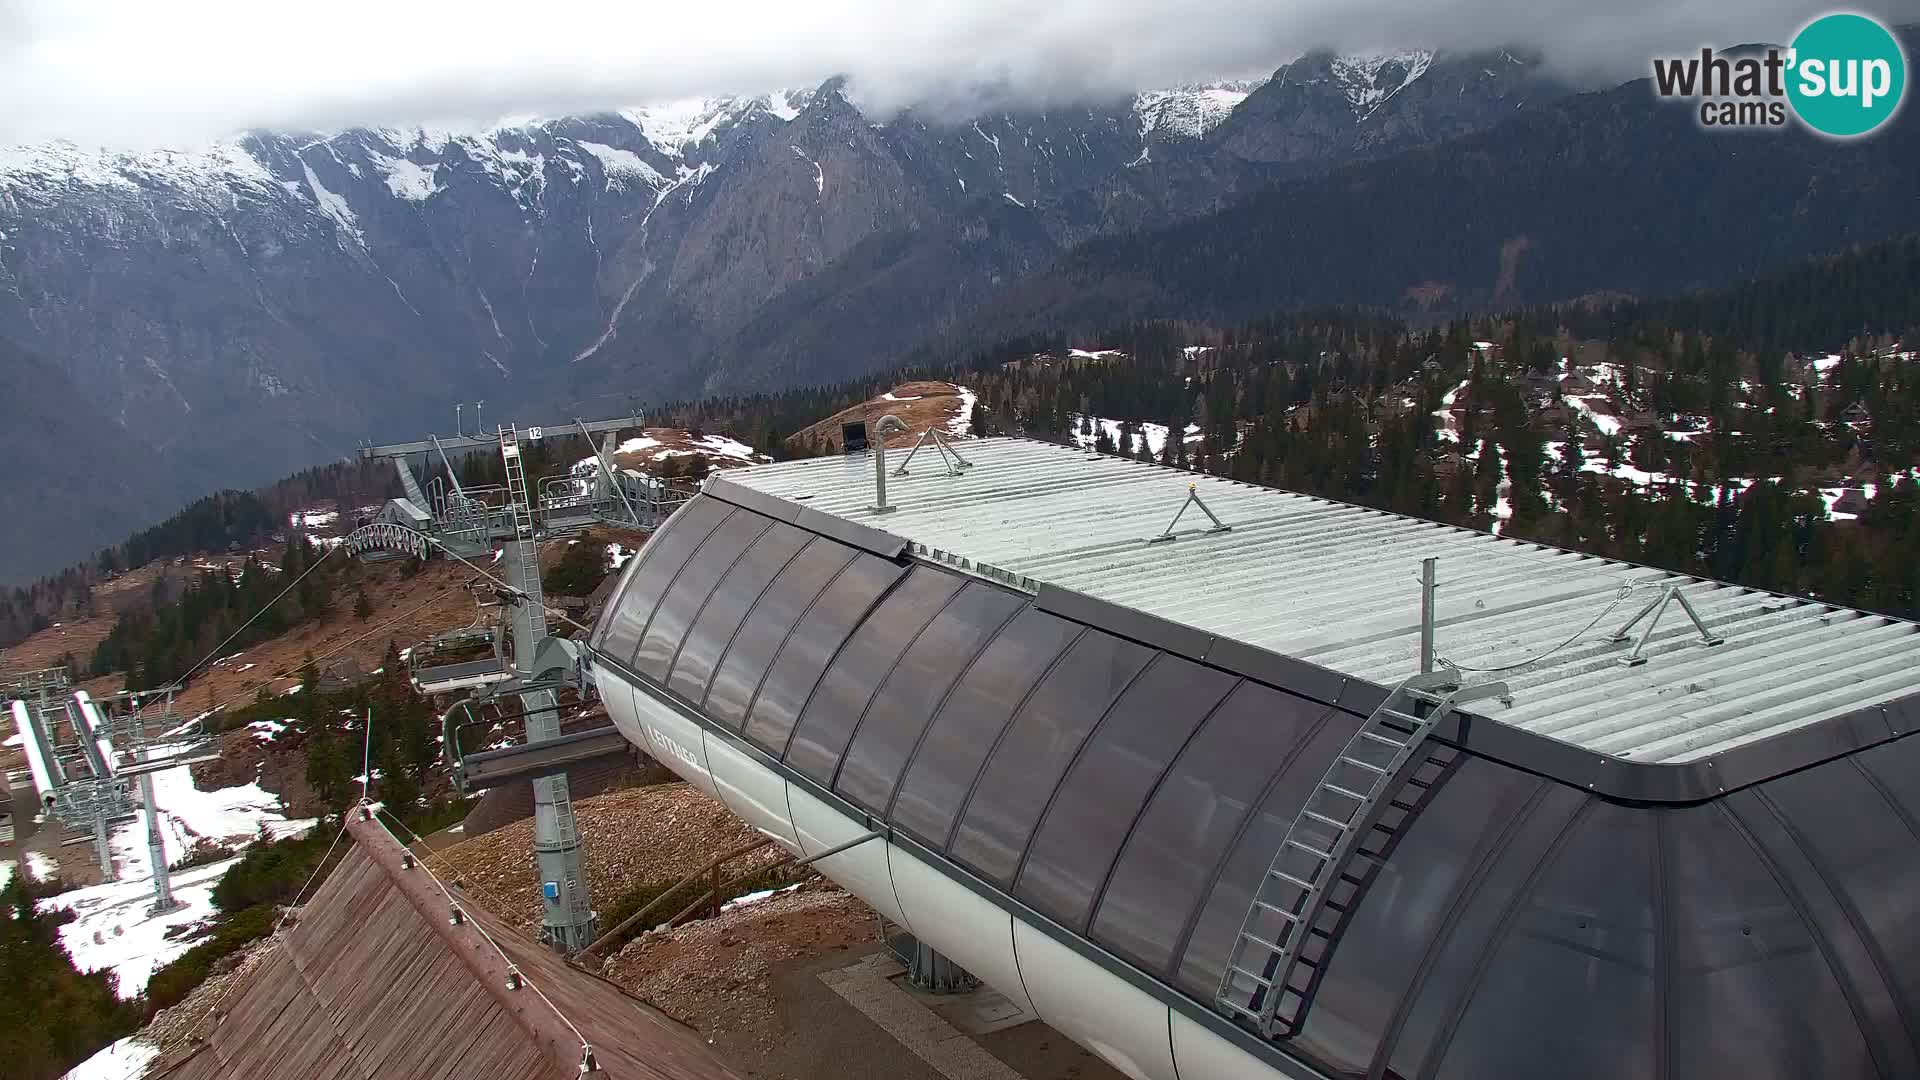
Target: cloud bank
pixel 135 74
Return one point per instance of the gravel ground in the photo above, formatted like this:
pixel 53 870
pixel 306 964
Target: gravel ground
pixel 633 837
pixel 715 974
pixel 173 1028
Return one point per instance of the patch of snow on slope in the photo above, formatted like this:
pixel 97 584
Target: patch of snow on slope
pixel 962 424
pixel 721 446
pixel 755 897
pixel 819 174
pixel 112 930
pixel 123 1060
pixel 622 166
pixel 678 127
pixel 1154 434
pixel 234 815
pixel 59 164
pixel 41 868
pixel 1189 112
pixel 786 104
pixel 432 140
pixel 1606 422
pixel 406 179
pixel 613 320
pixel 63 164
pixel 1370 81
pixel 514 169
pixel 335 207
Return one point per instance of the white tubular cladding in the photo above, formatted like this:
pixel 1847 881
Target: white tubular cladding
pixel 42 781
pixel 1106 1013
pixel 94 735
pixel 753 793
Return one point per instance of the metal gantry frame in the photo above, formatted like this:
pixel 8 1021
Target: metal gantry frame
pixel 78 792
pixel 517 516
pixel 86 782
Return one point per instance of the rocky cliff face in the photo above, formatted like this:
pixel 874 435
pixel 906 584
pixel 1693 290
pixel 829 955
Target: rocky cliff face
pixel 225 316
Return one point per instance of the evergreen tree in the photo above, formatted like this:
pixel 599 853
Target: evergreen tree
pixel 329 769
pixel 51 1016
pixel 1486 492
pixel 399 785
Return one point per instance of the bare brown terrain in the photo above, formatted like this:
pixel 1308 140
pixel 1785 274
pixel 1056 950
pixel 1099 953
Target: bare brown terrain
pixel 919 405
pixel 656 445
pixel 405 611
pixel 641 836
pixel 126 592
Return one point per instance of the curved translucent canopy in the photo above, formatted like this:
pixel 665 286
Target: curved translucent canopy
pixel 1513 925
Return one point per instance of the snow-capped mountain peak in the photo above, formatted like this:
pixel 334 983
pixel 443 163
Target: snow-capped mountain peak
pixel 1370 81
pixel 62 165
pixel 310 288
pixel 1189 112
pixel 681 127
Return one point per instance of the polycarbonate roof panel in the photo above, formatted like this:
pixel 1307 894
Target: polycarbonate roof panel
pixel 1338 585
pixel 1502 924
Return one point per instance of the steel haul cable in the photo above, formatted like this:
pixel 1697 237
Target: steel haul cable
pixel 494 903
pixel 323 658
pixel 181 682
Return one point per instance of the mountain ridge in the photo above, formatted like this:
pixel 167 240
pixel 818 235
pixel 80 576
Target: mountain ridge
pixel 309 291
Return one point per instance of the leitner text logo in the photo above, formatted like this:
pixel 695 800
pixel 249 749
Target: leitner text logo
pixel 1844 75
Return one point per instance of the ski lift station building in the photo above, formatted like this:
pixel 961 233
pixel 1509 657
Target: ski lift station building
pixel 1102 770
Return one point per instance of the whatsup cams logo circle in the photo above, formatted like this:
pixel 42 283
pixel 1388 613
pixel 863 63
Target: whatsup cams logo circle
pixel 1846 75
pixel 1843 76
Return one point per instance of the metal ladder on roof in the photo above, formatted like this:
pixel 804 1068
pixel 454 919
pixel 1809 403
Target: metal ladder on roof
pixel 1293 906
pixel 525 548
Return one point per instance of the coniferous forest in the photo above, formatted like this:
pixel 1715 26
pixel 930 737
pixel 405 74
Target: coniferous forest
pixel 1763 434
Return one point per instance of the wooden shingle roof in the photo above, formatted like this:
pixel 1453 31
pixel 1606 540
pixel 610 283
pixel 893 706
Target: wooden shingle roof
pixel 376 982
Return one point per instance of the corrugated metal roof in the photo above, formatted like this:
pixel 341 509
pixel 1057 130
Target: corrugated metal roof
pixel 1338 585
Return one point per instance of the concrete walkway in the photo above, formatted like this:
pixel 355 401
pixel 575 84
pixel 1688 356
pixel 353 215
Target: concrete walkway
pixel 945 1048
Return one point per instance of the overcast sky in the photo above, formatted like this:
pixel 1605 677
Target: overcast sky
pixel 142 73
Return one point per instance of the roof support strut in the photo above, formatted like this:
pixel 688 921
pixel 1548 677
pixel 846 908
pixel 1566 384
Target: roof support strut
pixel 1656 608
pixel 1193 499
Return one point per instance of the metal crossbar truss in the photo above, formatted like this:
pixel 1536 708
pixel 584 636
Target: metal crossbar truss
pixel 387 536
